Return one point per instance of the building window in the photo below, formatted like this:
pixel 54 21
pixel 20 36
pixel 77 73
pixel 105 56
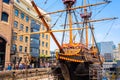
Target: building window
pixel 20 48
pixel 26 29
pixel 27 18
pixel 46 52
pixel 14 47
pixel 16 12
pixel 6 1
pixel 42 35
pixel 34 41
pixel 34 50
pixel 14 36
pixel 22 15
pixel 18 1
pixel 21 27
pixel 26 39
pixel 42 44
pixel 47 37
pixel 4 17
pixel 25 49
pixel 46 44
pixel 21 38
pixel 43 28
pixel 42 51
pixel 15 24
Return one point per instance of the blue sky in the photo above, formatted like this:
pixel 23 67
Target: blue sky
pixel 104 31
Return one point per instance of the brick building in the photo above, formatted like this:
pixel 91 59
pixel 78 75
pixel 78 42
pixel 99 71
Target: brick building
pixel 16 18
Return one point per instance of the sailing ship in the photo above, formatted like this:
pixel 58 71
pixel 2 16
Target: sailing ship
pixel 76 60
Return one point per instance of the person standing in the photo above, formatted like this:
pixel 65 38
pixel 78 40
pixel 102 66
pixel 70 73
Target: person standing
pixel 9 67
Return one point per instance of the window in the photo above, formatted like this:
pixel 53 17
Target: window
pixel 42 51
pixel 43 28
pixel 21 38
pixel 6 1
pixel 25 49
pixel 34 41
pixel 42 44
pixel 18 1
pixel 16 12
pixel 15 24
pixel 21 27
pixel 46 44
pixel 20 48
pixel 46 52
pixel 26 29
pixel 14 47
pixel 4 17
pixel 27 18
pixel 34 50
pixel 34 30
pixel 26 39
pixel 14 36
pixel 47 37
pixel 42 35
pixel 22 15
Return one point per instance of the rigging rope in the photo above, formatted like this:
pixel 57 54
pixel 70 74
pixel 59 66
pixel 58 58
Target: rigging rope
pixel 57 20
pixel 64 28
pixel 100 11
pixel 109 30
pixel 95 43
pixel 77 22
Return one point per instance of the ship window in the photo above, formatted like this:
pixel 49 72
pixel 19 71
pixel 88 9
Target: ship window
pixel 6 1
pixel 4 17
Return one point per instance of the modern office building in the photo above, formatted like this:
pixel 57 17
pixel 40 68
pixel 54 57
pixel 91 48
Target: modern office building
pixel 106 49
pixel 17 20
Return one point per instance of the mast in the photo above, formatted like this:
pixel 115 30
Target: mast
pixel 69 4
pixel 85 15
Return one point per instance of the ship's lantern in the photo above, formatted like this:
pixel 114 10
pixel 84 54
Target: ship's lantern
pixel 69 1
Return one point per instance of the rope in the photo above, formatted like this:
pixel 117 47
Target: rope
pixel 64 28
pixel 95 44
pixel 57 20
pixel 109 30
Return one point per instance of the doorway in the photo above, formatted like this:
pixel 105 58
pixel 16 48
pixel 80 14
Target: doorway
pixel 2 52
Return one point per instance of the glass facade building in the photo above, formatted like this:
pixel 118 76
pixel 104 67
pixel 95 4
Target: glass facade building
pixel 34 39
